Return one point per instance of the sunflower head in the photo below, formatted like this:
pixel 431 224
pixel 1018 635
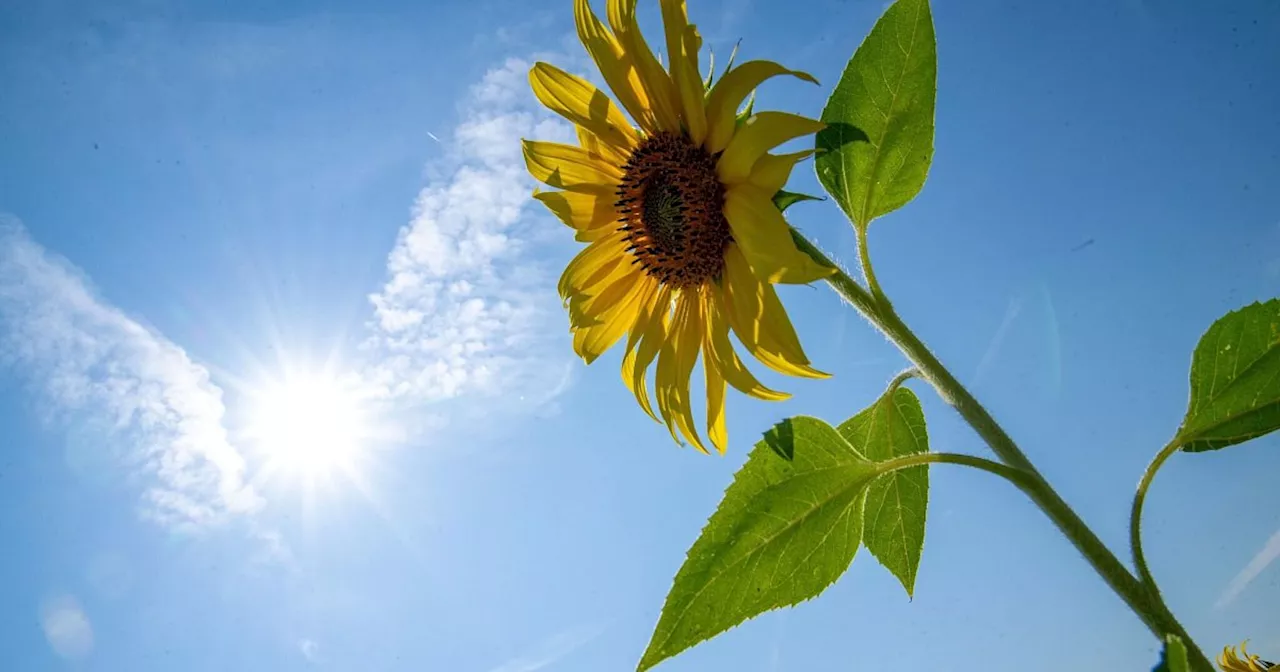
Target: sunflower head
pixel 1230 661
pixel 673 198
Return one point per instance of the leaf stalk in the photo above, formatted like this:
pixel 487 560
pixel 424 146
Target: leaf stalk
pixel 879 312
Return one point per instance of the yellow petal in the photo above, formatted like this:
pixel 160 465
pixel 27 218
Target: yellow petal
pixel 761 323
pixel 716 430
pixel 585 308
pixel 683 43
pixel 663 375
pixel 575 99
pixel 589 261
pixel 772 171
pixel 728 93
pixel 616 65
pixel 691 89
pixel 570 168
pixel 675 18
pixel 591 215
pixel 761 133
pixel 762 233
pixel 1229 661
pixel 646 339
pixel 657 83
pixel 593 341
pixel 601 149
pixel 583 286
pixel 719 350
pixel 675 366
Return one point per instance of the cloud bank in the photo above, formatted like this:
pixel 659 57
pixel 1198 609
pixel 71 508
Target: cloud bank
pixel 140 395
pixel 466 307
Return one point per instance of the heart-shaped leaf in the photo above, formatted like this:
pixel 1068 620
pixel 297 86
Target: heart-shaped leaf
pixel 874 155
pixel 785 530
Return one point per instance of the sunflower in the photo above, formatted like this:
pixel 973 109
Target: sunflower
pixel 1229 661
pixel 684 240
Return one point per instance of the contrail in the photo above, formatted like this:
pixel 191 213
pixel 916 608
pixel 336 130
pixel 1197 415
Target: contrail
pixel 1270 551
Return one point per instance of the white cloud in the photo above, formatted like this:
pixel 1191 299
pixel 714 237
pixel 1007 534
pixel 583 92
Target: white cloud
pixel 552 650
pixel 466 306
pixel 1270 551
pixel 66 627
pixel 141 398
pixel 309 650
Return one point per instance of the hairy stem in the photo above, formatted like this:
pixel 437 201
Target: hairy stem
pixel 1135 526
pixel 868 271
pixel 882 315
pixel 1135 514
pixel 902 377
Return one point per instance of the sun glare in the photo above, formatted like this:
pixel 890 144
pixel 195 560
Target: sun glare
pixel 308 426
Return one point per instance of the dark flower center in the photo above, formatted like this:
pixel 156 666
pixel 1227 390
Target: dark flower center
pixel 671 205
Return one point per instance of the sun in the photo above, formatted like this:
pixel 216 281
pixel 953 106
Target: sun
pixel 309 425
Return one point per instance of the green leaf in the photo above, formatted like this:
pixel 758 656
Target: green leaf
pixel 785 199
pixel 784 531
pixel 1235 380
pixel 896 502
pixel 874 155
pixel 1174 656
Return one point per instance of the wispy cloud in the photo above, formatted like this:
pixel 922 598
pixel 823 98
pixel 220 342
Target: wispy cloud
pixel 466 306
pixel 552 649
pixel 145 402
pixel 309 649
pixel 1270 551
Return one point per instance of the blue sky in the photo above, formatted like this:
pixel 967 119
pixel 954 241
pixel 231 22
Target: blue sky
pixel 206 201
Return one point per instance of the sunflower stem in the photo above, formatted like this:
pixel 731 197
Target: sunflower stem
pixel 846 287
pixel 881 314
pixel 1135 514
pixel 1135 531
pixel 902 377
pixel 1015 476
